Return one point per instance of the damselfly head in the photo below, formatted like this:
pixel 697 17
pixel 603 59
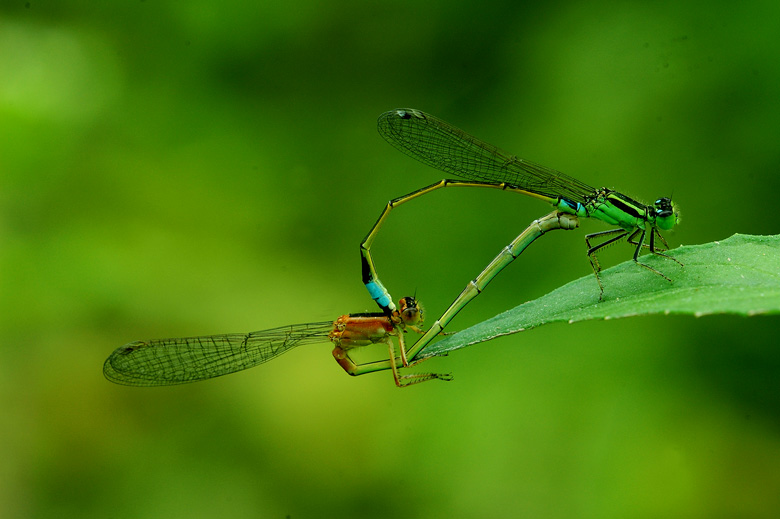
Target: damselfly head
pixel 410 310
pixel 665 213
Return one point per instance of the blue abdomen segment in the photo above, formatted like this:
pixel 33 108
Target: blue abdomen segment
pixel 565 205
pixel 379 294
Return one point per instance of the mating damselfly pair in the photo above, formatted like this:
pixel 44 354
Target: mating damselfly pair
pixel 452 151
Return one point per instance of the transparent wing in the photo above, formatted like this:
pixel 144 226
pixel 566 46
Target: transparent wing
pixel 451 150
pixel 164 362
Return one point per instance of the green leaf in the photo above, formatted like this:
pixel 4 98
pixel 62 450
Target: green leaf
pixel 740 275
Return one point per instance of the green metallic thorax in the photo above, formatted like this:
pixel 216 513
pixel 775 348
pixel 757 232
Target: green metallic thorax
pixel 617 209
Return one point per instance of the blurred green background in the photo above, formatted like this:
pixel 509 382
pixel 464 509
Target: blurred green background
pixel 180 168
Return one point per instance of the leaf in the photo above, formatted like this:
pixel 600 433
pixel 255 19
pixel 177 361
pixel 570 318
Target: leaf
pixel 740 275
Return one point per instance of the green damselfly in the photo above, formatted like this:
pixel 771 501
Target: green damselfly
pixel 451 150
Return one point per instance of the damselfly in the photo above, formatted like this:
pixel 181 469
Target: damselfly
pixel 164 362
pixel 451 150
